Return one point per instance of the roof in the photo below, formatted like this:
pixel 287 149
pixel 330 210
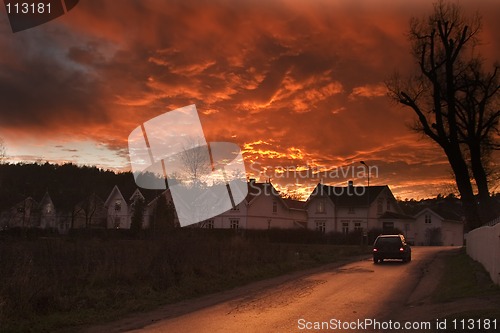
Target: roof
pixel 445 214
pixel 350 195
pixel 255 189
pixel 294 204
pixel 46 199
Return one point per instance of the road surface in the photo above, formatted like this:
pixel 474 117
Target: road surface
pixel 356 291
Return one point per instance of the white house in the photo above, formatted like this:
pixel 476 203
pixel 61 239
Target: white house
pixel 434 226
pixel 118 216
pixel 263 208
pixel 350 208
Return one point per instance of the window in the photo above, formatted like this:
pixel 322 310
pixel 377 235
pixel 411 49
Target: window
pixel 388 204
pixel 380 205
pixel 351 210
pixel 345 227
pixel 321 226
pixel 357 226
pixel 428 219
pixel 320 206
pixel 209 224
pixel 275 207
pixel 234 223
pixel 118 205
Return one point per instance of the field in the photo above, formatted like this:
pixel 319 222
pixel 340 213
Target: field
pixel 57 283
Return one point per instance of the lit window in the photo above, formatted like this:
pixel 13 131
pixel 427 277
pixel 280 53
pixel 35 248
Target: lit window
pixel 320 206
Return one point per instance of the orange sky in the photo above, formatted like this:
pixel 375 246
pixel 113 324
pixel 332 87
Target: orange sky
pixel 297 84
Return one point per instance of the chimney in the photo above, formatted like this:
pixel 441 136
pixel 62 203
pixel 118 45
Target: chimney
pixel 350 184
pixel 251 180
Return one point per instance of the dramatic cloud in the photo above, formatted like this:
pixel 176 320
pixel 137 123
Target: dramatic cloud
pixel 294 83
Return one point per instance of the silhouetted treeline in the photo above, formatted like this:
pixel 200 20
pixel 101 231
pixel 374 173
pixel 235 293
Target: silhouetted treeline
pixel 67 184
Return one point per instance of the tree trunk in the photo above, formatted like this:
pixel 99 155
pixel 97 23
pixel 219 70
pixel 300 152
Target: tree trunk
pixel 486 210
pixel 462 180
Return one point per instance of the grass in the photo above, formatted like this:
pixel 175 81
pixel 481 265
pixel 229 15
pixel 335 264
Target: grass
pixel 59 284
pixel 464 278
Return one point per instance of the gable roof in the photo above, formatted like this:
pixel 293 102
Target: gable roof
pixel 256 189
pixel 113 191
pixel 46 199
pixel 350 195
pixel 441 213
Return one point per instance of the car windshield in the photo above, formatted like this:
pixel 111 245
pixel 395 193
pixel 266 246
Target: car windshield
pixel 388 240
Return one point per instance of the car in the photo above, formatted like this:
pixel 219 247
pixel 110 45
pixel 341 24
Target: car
pixel 391 247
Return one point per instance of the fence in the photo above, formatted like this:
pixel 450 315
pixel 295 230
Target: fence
pixel 493 222
pixel 483 245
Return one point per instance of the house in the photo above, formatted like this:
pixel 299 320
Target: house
pixel 29 213
pixel 262 208
pixel 437 226
pixel 160 205
pixel 120 206
pixel 350 208
pixel 342 209
pixel 90 213
pixel 47 213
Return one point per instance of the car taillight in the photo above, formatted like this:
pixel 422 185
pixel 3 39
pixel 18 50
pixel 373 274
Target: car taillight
pixel 401 249
pixel 375 250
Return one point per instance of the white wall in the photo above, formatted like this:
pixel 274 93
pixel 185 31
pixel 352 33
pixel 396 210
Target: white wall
pixel 451 231
pixel 328 214
pixel 483 245
pixel 122 214
pixel 240 213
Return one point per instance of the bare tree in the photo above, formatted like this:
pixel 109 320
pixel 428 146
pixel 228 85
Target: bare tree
pixel 195 159
pixel 452 97
pixel 478 116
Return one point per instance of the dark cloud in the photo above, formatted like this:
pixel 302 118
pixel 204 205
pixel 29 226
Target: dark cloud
pixel 304 76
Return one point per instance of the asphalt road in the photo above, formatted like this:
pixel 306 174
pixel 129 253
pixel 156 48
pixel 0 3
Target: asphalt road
pixel 357 291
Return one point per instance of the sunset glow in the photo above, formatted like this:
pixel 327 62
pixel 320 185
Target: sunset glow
pixel 296 84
